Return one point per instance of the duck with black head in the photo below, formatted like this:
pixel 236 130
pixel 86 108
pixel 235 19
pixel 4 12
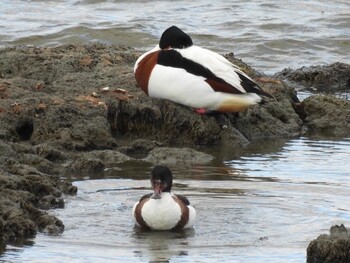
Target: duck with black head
pixel 179 71
pixel 163 210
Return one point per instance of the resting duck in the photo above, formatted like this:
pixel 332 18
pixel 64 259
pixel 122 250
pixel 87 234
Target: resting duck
pixel 196 77
pixel 162 210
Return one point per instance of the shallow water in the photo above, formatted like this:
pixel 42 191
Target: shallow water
pixel 268 35
pixel 264 204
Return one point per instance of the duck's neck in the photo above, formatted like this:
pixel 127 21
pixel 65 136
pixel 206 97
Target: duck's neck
pixel 165 195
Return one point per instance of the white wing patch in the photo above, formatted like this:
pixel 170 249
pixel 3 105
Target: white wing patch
pixel 216 63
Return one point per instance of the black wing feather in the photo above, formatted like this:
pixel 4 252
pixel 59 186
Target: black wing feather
pixel 172 58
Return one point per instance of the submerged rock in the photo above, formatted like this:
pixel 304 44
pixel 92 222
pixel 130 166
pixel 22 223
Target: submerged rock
pixel 332 248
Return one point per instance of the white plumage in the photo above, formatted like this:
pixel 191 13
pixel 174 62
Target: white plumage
pixel 164 213
pixel 163 210
pixel 193 76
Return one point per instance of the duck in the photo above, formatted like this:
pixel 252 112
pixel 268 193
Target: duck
pixel 163 210
pixel 196 77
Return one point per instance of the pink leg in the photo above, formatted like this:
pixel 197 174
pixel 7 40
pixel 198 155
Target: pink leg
pixel 201 111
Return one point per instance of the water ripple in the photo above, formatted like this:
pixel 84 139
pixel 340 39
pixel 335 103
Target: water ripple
pixel 266 34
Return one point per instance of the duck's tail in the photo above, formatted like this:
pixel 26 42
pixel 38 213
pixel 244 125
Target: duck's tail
pixel 238 102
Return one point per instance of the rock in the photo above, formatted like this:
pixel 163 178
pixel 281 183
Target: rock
pixel 73 129
pixel 171 124
pixel 140 147
pixel 18 226
pixel 333 248
pixel 329 78
pixel 181 156
pixel 50 153
pixel 2 245
pixel 85 166
pixel 107 157
pixel 94 163
pixel 326 115
pixel 50 224
pixel 57 117
pixel 29 184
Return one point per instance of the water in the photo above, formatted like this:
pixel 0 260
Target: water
pixel 264 204
pixel 269 35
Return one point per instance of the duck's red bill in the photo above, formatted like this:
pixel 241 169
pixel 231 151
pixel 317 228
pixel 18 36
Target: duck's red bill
pixel 157 191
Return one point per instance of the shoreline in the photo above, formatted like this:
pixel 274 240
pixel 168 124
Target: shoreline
pixel 58 119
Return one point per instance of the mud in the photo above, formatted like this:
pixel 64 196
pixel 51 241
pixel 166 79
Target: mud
pixel 75 110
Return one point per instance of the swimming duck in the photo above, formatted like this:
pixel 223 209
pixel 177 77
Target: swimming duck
pixel 196 77
pixel 163 210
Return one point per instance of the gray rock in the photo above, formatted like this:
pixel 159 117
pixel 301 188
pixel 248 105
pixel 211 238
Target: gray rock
pixel 181 156
pixel 78 128
pixel 329 78
pixel 326 115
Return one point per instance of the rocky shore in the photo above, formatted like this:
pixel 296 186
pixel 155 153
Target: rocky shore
pixel 76 109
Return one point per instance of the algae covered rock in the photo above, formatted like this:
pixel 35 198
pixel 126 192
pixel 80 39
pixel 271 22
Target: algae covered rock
pixel 173 156
pixel 332 248
pixel 327 78
pixel 326 115
pixel 174 124
pixel 77 109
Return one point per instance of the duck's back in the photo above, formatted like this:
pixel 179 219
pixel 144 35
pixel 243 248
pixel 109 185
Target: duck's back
pixel 161 214
pixel 216 63
pixel 168 213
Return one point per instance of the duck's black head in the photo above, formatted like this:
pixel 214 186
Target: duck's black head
pixel 161 180
pixel 174 37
